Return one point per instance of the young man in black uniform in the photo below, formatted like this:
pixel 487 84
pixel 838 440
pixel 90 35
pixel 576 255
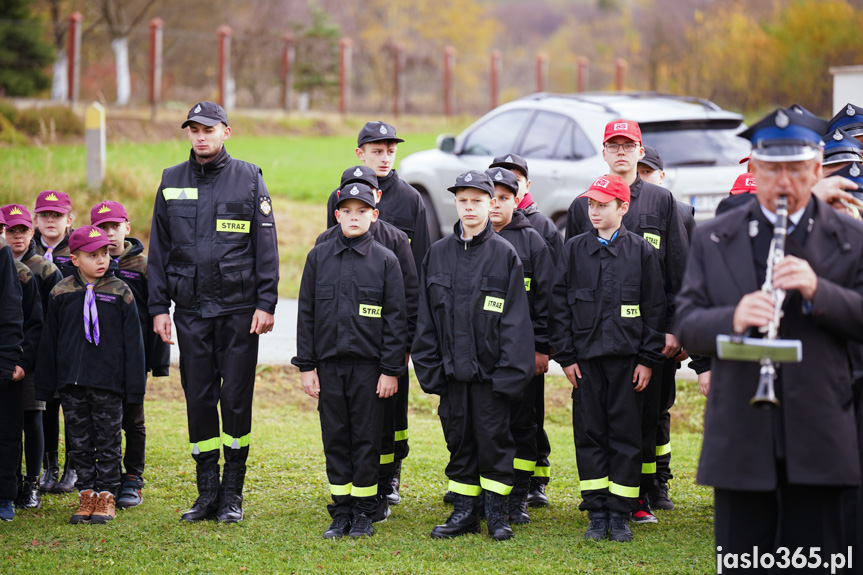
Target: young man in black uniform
pixel 213 251
pixel 536 497
pixel 351 334
pixel 779 474
pixel 473 320
pixel 653 215
pixel 606 321
pixel 127 254
pixel 538 265
pixel 397 241
pixel 402 206
pixel 11 337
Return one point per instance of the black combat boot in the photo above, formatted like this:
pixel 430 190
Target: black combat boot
pixel 48 480
pixel 231 506
pixel 536 497
pixel 495 516
pixel 448 497
pixel 28 493
pixel 598 528
pixel 462 521
pixel 67 482
pixel 394 498
pixel 518 503
pixel 207 504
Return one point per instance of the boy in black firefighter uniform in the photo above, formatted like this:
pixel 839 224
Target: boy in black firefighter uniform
pixel 351 334
pixel 213 251
pixel 397 241
pixel 131 263
pixel 402 206
pixel 11 337
pixel 536 497
pixel 95 369
pixel 653 215
pixel 472 325
pixel 538 265
pixel 606 321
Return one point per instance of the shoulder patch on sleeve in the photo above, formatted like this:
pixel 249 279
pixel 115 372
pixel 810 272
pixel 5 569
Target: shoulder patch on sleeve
pixel 265 206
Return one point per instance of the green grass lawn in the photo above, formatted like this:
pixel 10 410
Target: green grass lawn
pixel 286 493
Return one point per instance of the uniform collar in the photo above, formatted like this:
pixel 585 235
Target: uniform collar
pixel 613 246
pixel 214 166
pixel 486 233
pixel 361 244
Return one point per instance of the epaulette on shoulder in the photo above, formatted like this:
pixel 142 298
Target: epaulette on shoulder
pixel 24 273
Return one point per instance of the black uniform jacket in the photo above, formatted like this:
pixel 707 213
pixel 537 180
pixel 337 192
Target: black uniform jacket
pixel 735 201
pixel 32 307
pixel 817 418
pixel 213 241
pixel 607 300
pixel 67 358
pixel 61 255
pixel 538 266
pixel 47 274
pixel 474 318
pixel 402 206
pixel 11 317
pixel 132 269
pixel 652 214
pixel 546 228
pixel 397 242
pixel 352 306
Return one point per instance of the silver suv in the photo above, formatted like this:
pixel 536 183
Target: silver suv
pixel 560 135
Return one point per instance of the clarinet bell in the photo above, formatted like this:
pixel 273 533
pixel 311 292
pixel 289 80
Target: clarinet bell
pixel 765 395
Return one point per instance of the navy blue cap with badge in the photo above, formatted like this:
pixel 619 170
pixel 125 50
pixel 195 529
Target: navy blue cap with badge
pixel 357 191
pixel 503 177
pixel 652 159
pixel 377 132
pixel 206 113
pixel 473 179
pixel 850 119
pixel 510 162
pixel 853 172
pixel 360 174
pixel 840 147
pixel 786 136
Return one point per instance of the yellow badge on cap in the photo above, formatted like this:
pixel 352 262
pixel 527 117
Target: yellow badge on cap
pixel 16 212
pixel 104 209
pixel 95 233
pixel 51 198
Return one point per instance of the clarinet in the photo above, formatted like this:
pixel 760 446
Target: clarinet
pixel 765 395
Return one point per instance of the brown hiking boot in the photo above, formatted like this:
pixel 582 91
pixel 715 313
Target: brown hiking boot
pixel 86 504
pixel 105 510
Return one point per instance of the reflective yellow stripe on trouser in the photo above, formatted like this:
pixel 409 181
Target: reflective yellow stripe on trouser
pixel 542 471
pixel 523 464
pixel 341 489
pixel 387 458
pixel 464 488
pixel 206 445
pixel 494 486
pixel 622 490
pixel 370 491
pixel 236 442
pixel 663 449
pixel 401 435
pixel 593 484
pixel 648 468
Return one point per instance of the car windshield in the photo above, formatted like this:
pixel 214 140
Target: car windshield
pixel 703 143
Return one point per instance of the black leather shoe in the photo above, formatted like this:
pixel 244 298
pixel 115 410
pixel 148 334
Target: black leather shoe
pixel 340 527
pixel 28 493
pixel 206 506
pixel 448 497
pixel 231 504
pixel 598 528
pixel 67 482
pixel 361 526
pixel 518 514
pixel 495 517
pixel 48 479
pixel 462 521
pixel 536 497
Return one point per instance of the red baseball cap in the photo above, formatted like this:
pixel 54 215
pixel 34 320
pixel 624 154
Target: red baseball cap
pixel 108 212
pixel 744 184
pixel 746 159
pixel 607 188
pixel 88 239
pixel 16 215
pixel 621 127
pixel 52 201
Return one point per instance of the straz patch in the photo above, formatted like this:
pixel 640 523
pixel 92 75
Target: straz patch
pixel 630 311
pixel 493 304
pixel 653 239
pixel 527 284
pixel 106 298
pixel 370 310
pixel 237 226
pixel 265 206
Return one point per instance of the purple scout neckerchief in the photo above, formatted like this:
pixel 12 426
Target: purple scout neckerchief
pixel 49 254
pixel 91 316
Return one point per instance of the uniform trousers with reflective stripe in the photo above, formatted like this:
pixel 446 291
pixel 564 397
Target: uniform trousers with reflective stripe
pixel 649 424
pixel 218 357
pixel 351 422
pixel 542 471
pixel 606 423
pixel 388 454
pixel 667 395
pixel 401 417
pixel 476 427
pixel 524 432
